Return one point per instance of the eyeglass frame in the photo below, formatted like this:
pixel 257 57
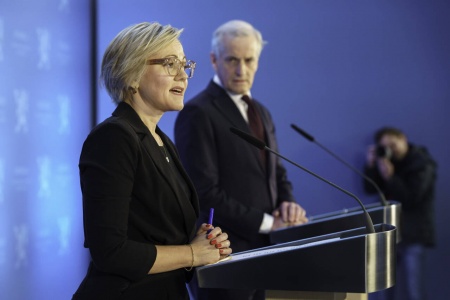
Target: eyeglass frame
pixel 188 64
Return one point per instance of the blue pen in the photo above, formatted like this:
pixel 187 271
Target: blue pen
pixel 210 220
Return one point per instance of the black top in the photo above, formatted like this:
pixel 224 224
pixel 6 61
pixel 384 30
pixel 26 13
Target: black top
pixel 133 199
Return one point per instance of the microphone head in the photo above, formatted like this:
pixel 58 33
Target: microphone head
pixel 249 138
pixel 302 132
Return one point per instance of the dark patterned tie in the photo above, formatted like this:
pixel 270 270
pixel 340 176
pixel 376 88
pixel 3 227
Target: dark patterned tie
pixel 255 124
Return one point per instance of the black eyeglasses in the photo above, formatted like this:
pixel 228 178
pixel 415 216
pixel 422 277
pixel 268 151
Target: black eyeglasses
pixel 173 65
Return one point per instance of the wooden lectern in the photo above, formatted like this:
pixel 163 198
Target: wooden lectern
pixel 327 266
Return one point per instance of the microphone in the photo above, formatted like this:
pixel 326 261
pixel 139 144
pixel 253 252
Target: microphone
pixel 261 145
pixel 311 139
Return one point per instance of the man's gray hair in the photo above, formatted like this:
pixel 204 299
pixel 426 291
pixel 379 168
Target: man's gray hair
pixel 235 28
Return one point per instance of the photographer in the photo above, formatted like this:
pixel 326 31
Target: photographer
pixel 406 173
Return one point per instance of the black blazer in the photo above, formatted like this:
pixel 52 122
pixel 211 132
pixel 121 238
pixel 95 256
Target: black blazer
pixel 226 170
pixel 132 201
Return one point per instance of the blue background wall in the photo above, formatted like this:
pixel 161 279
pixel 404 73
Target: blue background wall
pixel 44 117
pixel 338 69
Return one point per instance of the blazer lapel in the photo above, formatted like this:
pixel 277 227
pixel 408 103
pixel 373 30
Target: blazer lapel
pixel 190 212
pixel 129 114
pixel 152 148
pixel 271 159
pixel 228 108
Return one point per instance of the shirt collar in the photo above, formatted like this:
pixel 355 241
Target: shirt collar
pixel 235 97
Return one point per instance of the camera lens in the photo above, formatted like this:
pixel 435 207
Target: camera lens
pixel 383 152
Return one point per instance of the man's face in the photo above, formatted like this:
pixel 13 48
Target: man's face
pixel 237 63
pixel 397 144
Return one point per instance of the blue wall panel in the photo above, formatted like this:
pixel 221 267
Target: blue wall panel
pixel 44 118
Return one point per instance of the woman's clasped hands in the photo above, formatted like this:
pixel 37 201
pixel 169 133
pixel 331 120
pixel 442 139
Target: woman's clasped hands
pixel 210 247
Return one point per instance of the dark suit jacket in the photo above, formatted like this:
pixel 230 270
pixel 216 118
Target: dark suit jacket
pixel 132 201
pixel 226 170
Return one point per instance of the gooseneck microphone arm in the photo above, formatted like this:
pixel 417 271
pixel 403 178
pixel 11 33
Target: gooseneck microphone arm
pixel 261 145
pixel 312 139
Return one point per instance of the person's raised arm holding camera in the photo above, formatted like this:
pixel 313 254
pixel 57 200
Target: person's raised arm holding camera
pixel 406 173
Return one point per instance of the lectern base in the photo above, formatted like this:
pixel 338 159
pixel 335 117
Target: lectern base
pixel 297 295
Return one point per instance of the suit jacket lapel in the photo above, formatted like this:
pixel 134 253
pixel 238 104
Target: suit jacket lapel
pixel 152 148
pixel 129 114
pixel 190 215
pixel 228 108
pixel 271 159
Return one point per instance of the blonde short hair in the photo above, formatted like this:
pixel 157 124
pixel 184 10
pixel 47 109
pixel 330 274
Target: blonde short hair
pixel 124 59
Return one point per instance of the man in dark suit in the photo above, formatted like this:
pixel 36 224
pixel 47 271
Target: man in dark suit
pixel 249 190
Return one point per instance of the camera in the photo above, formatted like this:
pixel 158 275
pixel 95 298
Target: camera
pixel 383 152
